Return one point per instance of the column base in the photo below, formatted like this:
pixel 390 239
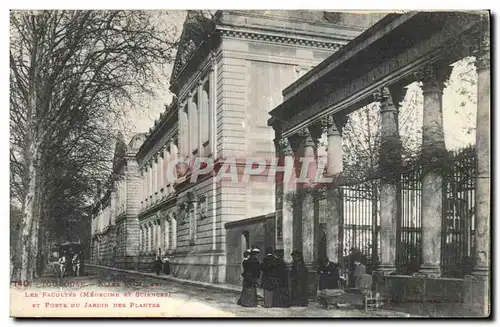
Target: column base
pixel 429 271
pixel 385 270
pixel 480 273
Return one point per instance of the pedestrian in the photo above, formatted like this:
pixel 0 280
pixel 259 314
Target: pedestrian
pixel 158 264
pixel 299 287
pixel 269 284
pixel 354 255
pixel 359 272
pixel 76 264
pixel 62 264
pixel 251 274
pixel 166 265
pixel 82 263
pixel 282 294
pixel 247 283
pixel 329 275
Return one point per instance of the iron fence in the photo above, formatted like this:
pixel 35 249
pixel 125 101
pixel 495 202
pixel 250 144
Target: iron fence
pixel 360 226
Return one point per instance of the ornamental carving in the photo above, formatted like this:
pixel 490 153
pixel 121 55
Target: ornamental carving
pixel 203 207
pixel 433 76
pixel 182 213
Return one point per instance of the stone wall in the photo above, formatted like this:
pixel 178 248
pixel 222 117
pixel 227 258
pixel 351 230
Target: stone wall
pixel 260 233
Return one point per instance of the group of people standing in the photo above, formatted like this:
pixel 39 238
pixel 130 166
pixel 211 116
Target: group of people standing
pixel 274 279
pixel 70 261
pixel 284 289
pixel 161 264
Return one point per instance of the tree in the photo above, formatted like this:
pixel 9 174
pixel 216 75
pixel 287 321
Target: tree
pixel 74 74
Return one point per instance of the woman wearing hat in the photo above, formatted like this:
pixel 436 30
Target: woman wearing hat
pixel 299 292
pixel 251 274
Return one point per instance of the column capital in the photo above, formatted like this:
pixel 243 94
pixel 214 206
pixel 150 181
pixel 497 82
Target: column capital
pixel 384 96
pixel 305 137
pixel 286 147
pixel 213 61
pixel 334 124
pixel 433 76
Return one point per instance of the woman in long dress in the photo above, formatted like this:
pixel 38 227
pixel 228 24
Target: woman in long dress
pixel 251 274
pixel 282 295
pixel 299 292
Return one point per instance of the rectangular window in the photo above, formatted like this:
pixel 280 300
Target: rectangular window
pixel 192 226
pixel 193 124
pixel 205 107
pixel 185 131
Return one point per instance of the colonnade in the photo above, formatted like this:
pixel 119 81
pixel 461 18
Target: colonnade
pixel 297 221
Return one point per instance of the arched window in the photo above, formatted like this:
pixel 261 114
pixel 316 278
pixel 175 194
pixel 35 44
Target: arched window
pixel 184 130
pixel 193 124
pixel 205 107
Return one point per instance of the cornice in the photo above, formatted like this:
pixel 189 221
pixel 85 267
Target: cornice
pixel 163 204
pixel 156 144
pixel 281 38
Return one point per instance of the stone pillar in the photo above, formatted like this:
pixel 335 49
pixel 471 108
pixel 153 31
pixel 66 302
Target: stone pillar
pixel 166 181
pixel 160 239
pixel 212 109
pixel 154 236
pixel 166 235
pixel 309 219
pixel 173 227
pixel 433 77
pixel 390 165
pixel 199 113
pixel 479 286
pixel 173 157
pixel 141 239
pixel 285 187
pixel 150 180
pixel 482 196
pixel 334 213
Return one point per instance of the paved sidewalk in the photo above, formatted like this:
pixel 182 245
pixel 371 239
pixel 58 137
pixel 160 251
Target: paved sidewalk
pixel 291 312
pixel 220 287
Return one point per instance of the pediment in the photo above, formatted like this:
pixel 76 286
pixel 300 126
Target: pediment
pixel 195 30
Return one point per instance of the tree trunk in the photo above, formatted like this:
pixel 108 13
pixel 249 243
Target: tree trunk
pixel 29 215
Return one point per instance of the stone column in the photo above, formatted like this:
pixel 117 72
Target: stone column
pixel 150 180
pixel 212 110
pixel 173 157
pixel 159 233
pixel 173 226
pixel 390 165
pixel 482 196
pixel 199 113
pixel 285 187
pixel 166 181
pixel 309 219
pixel 279 195
pixel 166 230
pixel 154 235
pixel 333 168
pixel 433 77
pixel 140 239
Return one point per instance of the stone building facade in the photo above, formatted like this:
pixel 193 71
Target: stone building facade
pixel 114 239
pixel 157 230
pixel 229 72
